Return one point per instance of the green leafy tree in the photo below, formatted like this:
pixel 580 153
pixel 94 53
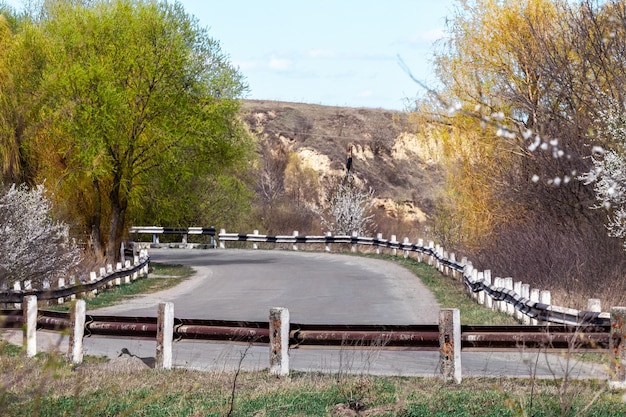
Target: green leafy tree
pixel 133 90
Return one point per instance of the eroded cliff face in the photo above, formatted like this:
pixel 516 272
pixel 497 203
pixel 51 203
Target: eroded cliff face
pixel 398 164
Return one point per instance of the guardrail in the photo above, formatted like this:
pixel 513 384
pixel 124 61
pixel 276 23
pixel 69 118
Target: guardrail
pixel 448 337
pixel 529 306
pixel 107 278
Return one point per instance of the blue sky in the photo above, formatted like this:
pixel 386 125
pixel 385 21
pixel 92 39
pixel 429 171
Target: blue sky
pixel 331 52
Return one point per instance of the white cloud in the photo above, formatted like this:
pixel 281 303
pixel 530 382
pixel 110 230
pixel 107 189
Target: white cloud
pixel 279 64
pixel 322 53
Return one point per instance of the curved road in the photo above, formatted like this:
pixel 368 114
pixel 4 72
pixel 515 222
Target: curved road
pixel 317 288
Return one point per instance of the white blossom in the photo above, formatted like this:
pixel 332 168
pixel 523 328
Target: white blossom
pixel 32 245
pixel 347 209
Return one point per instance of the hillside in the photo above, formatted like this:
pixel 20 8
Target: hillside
pixel 385 156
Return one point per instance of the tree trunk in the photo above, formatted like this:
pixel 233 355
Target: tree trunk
pixel 96 221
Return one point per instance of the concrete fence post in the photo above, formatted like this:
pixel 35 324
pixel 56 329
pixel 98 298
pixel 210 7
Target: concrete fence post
pixel 487 283
pixel 295 245
pixel 165 336
pixel 534 297
pixel 379 236
pixel 279 341
pixel 480 277
pixel 61 284
pixel 450 344
pixel 431 257
pixel 508 307
pixel 30 325
pixel 420 254
pixel 222 243
pixel 328 245
pixel 77 331
pixel 517 287
pixel 354 247
pixel 393 241
pixel 406 251
pixel 594 305
pixel 255 245
pixel 526 295
pixel 617 347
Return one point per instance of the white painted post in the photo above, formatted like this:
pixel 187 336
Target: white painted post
pixel 30 325
pixel 420 255
pixel 499 284
pixel 445 267
pixel 406 252
pixel 450 344
pixel 77 331
pixel 165 335
pixel 487 282
pixel 534 297
pixel 61 284
pixel 93 277
pixel 328 247
pixel 353 247
pixel 295 245
pixel 255 245
pixel 379 236
pixel 474 278
pixel 594 305
pixel 480 277
pixel 222 243
pixel 394 251
pixel 508 285
pixel 453 260
pixel 525 294
pixel 279 341
pixel 431 258
pixel 517 287
pixel 437 256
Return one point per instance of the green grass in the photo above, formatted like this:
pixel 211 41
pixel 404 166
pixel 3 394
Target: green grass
pixel 166 276
pixel 46 386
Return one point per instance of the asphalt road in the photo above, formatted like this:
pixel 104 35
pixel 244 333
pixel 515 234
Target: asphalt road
pixel 317 288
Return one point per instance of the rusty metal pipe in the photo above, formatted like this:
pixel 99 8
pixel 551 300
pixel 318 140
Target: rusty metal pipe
pixel 222 333
pixel 122 329
pixel 53 323
pixel 369 337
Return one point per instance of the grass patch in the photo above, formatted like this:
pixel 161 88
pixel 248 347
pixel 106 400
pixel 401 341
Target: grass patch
pixel 161 277
pixel 43 386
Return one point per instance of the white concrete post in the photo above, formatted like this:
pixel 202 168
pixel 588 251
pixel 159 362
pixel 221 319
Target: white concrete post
pixel 420 255
pixel 474 278
pixel 279 341
pixel 517 287
pixel 61 284
pixel 480 277
pixel 498 283
pixel 394 251
pixel 450 344
pixel 255 245
pixel 328 247
pixel 379 236
pixel 595 305
pixel 222 243
pixel 406 252
pixel 534 297
pixel 508 285
pixel 295 245
pixel 17 287
pixel 487 282
pixel 93 277
pixel 77 331
pixel 453 260
pixel 30 325
pixel 525 294
pixel 431 257
pixel 165 336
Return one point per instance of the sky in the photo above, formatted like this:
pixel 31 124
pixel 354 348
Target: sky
pixel 330 52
